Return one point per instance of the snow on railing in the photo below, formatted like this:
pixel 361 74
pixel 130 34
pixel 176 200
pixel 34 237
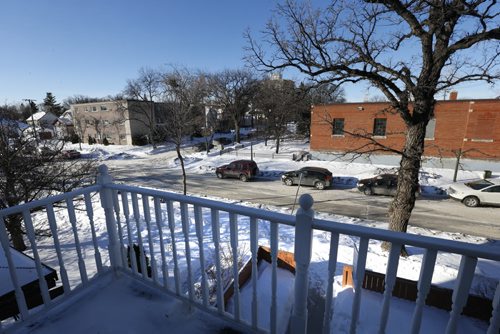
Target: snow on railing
pixel 177 243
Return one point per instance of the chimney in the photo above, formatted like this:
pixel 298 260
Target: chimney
pixel 453 95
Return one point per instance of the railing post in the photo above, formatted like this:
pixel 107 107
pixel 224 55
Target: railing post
pixel 303 245
pixel 106 194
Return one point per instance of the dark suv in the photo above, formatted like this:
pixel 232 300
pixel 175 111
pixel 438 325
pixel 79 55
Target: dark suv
pixel 318 177
pixel 383 184
pixel 240 169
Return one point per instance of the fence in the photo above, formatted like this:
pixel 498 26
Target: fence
pixel 175 232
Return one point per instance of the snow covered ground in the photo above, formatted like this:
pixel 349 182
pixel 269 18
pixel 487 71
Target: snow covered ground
pixel 487 272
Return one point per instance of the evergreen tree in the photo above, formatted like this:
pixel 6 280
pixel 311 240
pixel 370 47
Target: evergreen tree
pixel 50 105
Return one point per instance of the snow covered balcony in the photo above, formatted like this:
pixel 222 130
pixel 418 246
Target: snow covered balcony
pixel 188 251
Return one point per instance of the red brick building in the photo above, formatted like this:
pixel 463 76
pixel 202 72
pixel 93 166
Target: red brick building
pixel 473 126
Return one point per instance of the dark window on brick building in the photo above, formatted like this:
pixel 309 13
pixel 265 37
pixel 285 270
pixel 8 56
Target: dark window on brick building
pixel 338 127
pixel 379 126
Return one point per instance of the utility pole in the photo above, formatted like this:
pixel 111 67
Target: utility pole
pixel 30 101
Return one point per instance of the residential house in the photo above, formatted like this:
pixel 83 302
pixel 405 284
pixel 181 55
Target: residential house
pixel 470 126
pixel 42 124
pixel 42 119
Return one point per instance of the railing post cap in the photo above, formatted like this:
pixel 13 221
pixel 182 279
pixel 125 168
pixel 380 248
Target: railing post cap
pixel 103 176
pixel 103 169
pixel 306 201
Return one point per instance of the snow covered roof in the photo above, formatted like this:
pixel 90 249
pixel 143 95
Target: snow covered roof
pixel 42 115
pixel 25 270
pixel 37 116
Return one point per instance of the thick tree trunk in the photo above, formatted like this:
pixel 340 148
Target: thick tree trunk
pixel 181 159
pixel 401 207
pixel 277 144
pixel 237 131
pixel 152 137
pixel 13 224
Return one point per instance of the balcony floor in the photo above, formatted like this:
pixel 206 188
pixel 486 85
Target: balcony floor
pixel 126 305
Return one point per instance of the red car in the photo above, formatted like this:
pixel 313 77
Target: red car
pixel 240 169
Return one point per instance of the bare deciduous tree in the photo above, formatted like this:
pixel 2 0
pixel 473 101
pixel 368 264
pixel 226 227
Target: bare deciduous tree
pixel 29 172
pixel 233 91
pixel 182 108
pixel 409 50
pixel 279 102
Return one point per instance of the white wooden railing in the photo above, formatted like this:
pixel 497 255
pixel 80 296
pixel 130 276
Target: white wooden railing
pixel 147 217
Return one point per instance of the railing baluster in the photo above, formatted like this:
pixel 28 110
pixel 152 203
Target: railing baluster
pixel 20 299
pixel 53 228
pixel 233 227
pixel 72 220
pixel 116 206
pixel 90 214
pixel 159 222
pixel 147 218
pixel 198 218
pixel 390 280
pixel 424 285
pixel 216 239
pixel 185 231
pixel 30 231
pixel 461 291
pixel 137 218
pixel 131 254
pixel 254 247
pixel 359 275
pixel 494 327
pixel 274 277
pixel 332 267
pixel 171 225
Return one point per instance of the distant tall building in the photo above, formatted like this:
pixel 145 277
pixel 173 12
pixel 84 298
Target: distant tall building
pixel 118 121
pixel 276 76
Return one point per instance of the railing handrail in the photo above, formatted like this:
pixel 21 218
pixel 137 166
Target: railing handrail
pixel 49 200
pixel 277 217
pixel 422 241
pixel 451 246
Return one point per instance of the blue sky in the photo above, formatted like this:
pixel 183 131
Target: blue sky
pixel 91 47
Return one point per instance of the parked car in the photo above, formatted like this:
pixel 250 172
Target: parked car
pixel 70 154
pixel 383 184
pixel 318 177
pixel 478 192
pixel 240 169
